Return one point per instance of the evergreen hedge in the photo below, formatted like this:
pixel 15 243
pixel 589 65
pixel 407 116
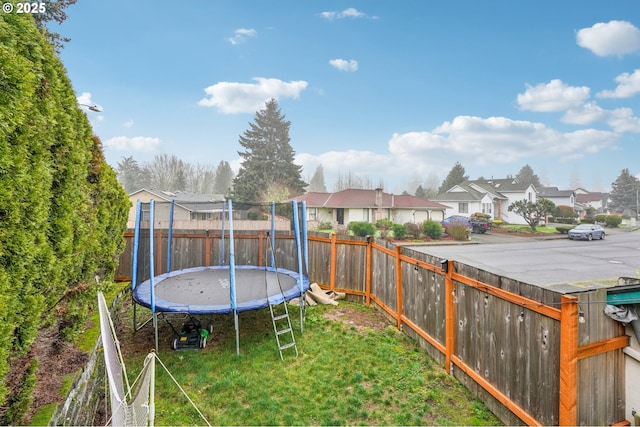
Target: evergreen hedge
pixel 62 211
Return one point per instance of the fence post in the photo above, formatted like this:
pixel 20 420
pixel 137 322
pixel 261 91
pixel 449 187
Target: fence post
pixel 568 360
pixel 449 316
pixel 367 280
pixel 332 271
pixel 398 286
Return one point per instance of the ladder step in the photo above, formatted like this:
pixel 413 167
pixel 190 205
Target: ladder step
pixel 282 316
pixel 284 331
pixel 285 346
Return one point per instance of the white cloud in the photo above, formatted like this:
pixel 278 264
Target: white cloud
pixel 612 38
pixel 85 101
pixel 585 114
pixel 484 143
pixel 241 34
pixel 234 97
pixel 137 143
pixel 628 86
pixel 344 64
pixel 347 13
pixel 553 96
pixel 128 124
pixel 622 120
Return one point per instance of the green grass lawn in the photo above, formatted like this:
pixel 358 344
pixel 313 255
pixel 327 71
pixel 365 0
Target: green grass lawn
pixel 526 229
pixel 346 374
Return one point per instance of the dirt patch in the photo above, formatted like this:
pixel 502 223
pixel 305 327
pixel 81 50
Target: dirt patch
pixel 56 359
pixel 359 319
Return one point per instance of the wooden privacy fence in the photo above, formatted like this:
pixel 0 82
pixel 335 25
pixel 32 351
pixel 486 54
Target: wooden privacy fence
pixel 515 345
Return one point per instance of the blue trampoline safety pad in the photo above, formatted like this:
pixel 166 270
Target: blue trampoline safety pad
pixel 206 290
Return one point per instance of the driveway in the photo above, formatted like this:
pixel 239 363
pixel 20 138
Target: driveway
pixel 550 262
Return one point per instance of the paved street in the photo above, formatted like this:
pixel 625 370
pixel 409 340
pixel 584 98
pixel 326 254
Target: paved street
pixel 550 263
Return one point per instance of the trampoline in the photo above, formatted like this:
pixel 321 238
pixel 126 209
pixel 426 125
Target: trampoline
pixel 222 289
pixel 205 290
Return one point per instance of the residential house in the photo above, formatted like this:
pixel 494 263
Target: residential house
pixel 597 200
pixel 350 205
pixel 559 197
pixel 489 196
pixel 189 208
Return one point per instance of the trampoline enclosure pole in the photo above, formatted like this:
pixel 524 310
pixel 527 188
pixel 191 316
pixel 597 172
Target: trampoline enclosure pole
pixel 136 241
pixel 151 270
pixel 170 236
pixel 151 260
pixel 232 277
pixel 134 258
pixel 305 236
pixel 296 235
pixel 273 234
pixel 224 210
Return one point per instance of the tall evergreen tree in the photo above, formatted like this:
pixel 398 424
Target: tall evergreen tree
pixel 527 176
pixel 420 192
pixel 224 178
pixel 130 174
pixel 624 193
pixel 456 176
pixel 316 184
pixel 267 157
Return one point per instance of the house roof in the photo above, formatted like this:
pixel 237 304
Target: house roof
pixel 504 185
pixel 476 190
pixel 361 198
pixel 592 197
pixel 460 192
pixel 190 201
pixel 554 192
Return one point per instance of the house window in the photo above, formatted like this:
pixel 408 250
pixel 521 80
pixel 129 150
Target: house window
pixel 463 207
pixel 486 208
pixel 313 214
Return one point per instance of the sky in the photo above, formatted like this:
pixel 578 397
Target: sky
pixel 392 91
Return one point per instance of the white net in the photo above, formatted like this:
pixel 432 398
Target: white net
pixel 138 409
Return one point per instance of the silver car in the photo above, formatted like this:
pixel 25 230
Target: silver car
pixel 586 232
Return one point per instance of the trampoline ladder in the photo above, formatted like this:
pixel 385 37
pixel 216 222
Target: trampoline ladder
pixel 282 328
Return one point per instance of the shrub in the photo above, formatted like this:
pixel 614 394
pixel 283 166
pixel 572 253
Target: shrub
pixel 562 220
pixel 255 215
pixel 399 231
pixel 564 211
pixel 613 220
pixel 325 225
pixel 414 230
pixel 432 229
pixel 362 228
pixel 384 224
pixel 587 221
pixel 563 229
pixel 601 218
pixel 481 216
pixel 458 231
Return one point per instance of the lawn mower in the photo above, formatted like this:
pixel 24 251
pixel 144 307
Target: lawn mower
pixel 192 336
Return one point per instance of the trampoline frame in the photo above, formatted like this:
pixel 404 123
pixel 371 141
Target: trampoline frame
pixel 162 306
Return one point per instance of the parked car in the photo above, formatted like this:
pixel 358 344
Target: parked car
pixel 475 225
pixel 586 232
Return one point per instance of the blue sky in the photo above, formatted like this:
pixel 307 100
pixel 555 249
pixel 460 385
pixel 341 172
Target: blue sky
pixel 387 90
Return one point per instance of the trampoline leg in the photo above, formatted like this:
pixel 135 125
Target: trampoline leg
pixel 235 320
pixel 302 309
pixel 155 329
